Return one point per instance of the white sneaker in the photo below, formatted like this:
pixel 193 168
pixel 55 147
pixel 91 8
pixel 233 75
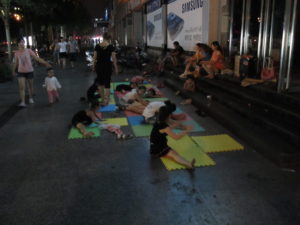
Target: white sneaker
pixel 22 104
pixel 31 101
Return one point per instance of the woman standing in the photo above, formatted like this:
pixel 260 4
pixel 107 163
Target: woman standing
pixel 24 70
pixel 104 57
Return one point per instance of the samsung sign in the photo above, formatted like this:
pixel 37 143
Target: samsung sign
pixel 192 5
pixel 187 22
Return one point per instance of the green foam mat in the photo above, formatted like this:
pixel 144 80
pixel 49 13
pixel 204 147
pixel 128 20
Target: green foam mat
pixel 189 150
pixel 75 133
pixel 217 143
pixel 142 130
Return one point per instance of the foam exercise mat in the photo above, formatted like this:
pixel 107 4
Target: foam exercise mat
pixel 217 143
pixel 156 99
pixel 189 150
pixel 111 100
pixel 75 133
pixel 108 108
pixel 142 130
pixel 136 120
pixel 116 121
pixel 196 126
pixel 115 84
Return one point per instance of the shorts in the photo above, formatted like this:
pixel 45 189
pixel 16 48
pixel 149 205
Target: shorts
pixel 73 57
pixel 159 153
pixel 25 75
pixel 62 55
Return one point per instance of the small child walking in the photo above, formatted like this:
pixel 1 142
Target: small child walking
pixel 52 85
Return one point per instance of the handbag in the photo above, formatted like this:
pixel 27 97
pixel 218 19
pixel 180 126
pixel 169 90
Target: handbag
pixel 268 73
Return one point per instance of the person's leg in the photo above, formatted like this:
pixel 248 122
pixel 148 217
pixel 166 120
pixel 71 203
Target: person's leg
pixel 22 85
pixel 179 159
pixel 64 62
pixel 30 88
pixel 136 108
pixel 55 95
pixel 208 68
pixel 50 97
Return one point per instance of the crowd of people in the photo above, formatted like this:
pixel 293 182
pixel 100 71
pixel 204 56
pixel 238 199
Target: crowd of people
pixel 161 115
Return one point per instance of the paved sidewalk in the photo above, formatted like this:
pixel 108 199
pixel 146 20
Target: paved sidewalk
pixel 49 180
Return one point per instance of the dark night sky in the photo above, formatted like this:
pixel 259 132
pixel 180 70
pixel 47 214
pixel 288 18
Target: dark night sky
pixel 95 7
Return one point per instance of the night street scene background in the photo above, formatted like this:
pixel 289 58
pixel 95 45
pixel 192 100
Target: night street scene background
pixel 149 112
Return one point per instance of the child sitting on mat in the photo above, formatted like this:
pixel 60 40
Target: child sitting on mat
pixel 158 138
pixel 84 118
pixel 52 85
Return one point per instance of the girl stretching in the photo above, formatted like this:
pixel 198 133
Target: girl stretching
pixel 158 138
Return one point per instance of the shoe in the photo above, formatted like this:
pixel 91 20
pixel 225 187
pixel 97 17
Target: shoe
pixel 127 136
pixel 31 101
pixel 22 104
pixel 119 136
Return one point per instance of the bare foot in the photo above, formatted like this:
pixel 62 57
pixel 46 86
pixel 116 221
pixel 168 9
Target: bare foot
pixel 183 75
pixel 177 93
pixel 193 164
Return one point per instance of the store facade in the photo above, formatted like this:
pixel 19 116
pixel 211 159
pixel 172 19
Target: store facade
pixel 264 29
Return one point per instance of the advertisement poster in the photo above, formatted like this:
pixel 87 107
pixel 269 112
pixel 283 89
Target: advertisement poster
pixel 154 24
pixel 187 22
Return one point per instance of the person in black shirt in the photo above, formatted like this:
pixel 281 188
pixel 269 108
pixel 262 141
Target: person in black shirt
pixel 177 53
pixel 104 58
pixel 158 138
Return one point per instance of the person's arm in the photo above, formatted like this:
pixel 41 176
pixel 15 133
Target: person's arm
pixel 40 60
pixel 58 85
pixel 140 100
pixel 173 135
pixel 16 63
pixel 81 128
pixel 115 62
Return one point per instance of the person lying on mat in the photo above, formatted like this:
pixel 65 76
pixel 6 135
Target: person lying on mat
pixel 152 109
pixel 152 93
pixel 158 138
pixel 123 88
pixel 135 95
pixel 84 118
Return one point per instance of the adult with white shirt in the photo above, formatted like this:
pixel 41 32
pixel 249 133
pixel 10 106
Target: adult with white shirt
pixel 62 48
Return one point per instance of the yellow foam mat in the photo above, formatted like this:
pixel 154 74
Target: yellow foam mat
pixel 116 121
pixel 189 150
pixel 218 143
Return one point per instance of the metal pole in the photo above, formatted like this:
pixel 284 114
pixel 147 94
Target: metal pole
pixel 272 30
pixel 242 28
pixel 265 34
pixel 284 44
pixel 231 27
pixel 291 49
pixel 247 25
pixel 260 35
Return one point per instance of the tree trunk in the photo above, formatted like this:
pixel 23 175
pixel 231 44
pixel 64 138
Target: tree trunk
pixel 7 31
